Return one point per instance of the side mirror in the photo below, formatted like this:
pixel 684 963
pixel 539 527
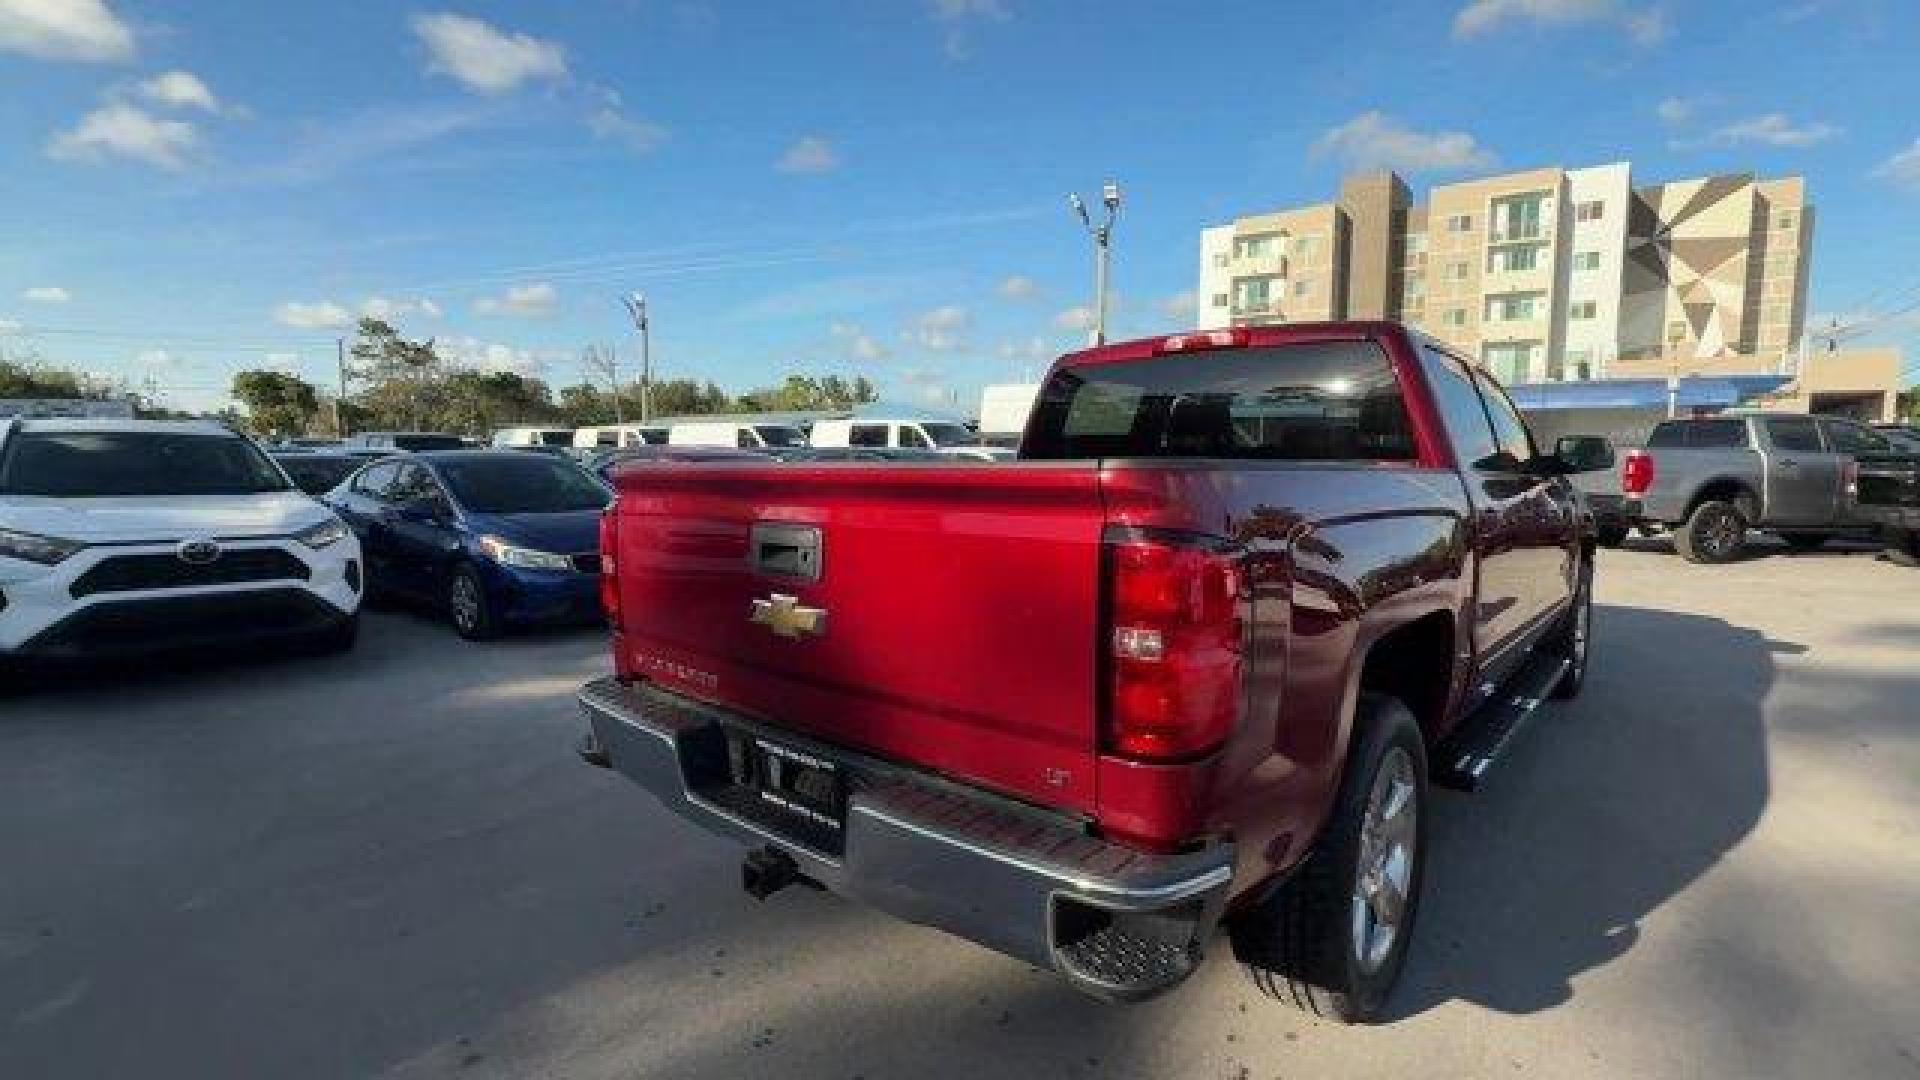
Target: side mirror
pixel 1584 453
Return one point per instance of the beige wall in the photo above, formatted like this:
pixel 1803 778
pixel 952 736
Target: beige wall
pixel 1376 208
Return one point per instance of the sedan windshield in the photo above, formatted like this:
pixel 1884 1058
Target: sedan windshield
pixel 134 464
pixel 521 484
pixel 317 474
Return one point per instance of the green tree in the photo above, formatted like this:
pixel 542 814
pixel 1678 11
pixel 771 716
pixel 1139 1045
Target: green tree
pixel 404 378
pixel 276 403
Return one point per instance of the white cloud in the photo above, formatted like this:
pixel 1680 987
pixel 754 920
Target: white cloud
pixel 157 360
pixel 1675 111
pixel 64 30
pixel 1034 348
pixel 609 120
pixel 1903 168
pixel 180 90
pixel 46 294
pixel 1772 129
pixel 1019 287
pixel 1645 26
pixel 384 307
pixel 484 59
pixel 958 19
pixel 1178 307
pixel 282 361
pixel 534 301
pixel 1074 318
pixel 811 154
pixel 1374 140
pixel 492 356
pixel 858 343
pixel 322 315
pixel 10 326
pixel 118 129
pixel 943 329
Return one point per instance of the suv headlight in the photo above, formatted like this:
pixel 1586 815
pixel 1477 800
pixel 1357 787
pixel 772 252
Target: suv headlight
pixel 325 534
pixel 527 558
pixel 46 550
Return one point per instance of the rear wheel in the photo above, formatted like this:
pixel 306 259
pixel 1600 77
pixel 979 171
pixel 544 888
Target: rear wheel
pixel 1716 532
pixel 468 607
pixel 1332 939
pixel 1574 636
pixel 1903 547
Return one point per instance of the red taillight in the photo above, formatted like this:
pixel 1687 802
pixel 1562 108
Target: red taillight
pixel 1174 652
pixel 1636 474
pixel 1235 338
pixel 609 578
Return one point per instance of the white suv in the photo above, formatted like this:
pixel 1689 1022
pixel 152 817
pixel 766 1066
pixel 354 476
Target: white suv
pixel 136 535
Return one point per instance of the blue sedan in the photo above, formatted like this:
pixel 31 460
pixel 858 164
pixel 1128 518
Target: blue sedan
pixel 494 539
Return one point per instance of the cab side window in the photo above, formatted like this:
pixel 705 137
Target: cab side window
pixel 1468 428
pixel 867 435
pixel 1796 433
pixel 1509 430
pixel 1851 438
pixel 743 438
pixel 910 436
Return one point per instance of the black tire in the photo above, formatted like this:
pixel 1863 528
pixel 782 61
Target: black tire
pixel 1573 638
pixel 1903 548
pixel 468 608
pixel 338 638
pixel 1804 542
pixel 1611 533
pixel 1299 944
pixel 1716 532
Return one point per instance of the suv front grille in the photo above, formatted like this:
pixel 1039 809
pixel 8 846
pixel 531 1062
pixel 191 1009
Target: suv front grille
pixel 165 570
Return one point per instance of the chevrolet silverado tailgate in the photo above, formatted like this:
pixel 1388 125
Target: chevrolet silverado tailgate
pixel 939 615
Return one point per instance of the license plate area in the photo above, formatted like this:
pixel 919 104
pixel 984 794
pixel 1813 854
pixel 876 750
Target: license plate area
pixel 795 795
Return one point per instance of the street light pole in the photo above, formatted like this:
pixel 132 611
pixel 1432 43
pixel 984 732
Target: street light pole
pixel 637 308
pixel 1102 236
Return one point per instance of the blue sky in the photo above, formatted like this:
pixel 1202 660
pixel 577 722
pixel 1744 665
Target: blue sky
pixel 866 187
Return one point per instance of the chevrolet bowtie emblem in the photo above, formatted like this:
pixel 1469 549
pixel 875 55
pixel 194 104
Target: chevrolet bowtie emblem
pixel 785 616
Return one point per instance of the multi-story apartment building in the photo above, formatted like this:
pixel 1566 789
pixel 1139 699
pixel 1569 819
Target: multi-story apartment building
pixel 1545 275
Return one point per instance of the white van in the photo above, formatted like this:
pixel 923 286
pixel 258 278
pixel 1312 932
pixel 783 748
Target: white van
pixel 609 436
pixel 942 436
pixel 1004 408
pixel 532 436
pixel 744 436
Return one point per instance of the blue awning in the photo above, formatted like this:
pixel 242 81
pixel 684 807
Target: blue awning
pixel 1720 392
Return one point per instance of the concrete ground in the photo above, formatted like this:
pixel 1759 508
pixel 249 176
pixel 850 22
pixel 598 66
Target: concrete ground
pixel 391 863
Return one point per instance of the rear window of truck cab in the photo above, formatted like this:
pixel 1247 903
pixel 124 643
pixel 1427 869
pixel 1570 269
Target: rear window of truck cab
pixel 1319 401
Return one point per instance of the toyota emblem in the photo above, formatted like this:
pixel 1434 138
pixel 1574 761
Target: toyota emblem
pixel 198 552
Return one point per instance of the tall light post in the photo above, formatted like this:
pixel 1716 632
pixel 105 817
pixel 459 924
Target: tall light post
pixel 1102 236
pixel 637 307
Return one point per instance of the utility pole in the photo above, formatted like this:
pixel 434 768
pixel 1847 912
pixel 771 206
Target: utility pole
pixel 340 398
pixel 637 309
pixel 1102 236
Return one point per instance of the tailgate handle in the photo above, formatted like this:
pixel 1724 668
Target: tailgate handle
pixel 786 551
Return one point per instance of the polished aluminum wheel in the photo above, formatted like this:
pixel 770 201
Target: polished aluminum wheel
pixel 1388 837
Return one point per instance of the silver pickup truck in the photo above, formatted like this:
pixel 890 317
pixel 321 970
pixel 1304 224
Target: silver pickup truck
pixel 1711 479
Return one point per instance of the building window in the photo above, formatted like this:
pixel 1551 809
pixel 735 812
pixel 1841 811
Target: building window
pixel 1580 361
pixel 1220 260
pixel 1454 317
pixel 1219 299
pixel 1457 271
pixel 1302 288
pixel 1460 223
pixel 1416 243
pixel 1508 260
pixel 1519 217
pixel 1586 260
pixel 1252 247
pixel 1585 309
pixel 1307 247
pixel 1590 211
pixel 1509 307
pixel 1510 362
pixel 1783 220
pixel 1253 294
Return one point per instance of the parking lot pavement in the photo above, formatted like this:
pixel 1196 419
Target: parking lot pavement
pixel 391 863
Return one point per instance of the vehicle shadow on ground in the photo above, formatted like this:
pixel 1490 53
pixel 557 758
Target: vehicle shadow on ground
pixel 1611 805
pixel 1763 546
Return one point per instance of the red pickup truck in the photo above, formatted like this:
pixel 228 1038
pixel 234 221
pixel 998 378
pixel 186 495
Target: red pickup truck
pixel 1191 661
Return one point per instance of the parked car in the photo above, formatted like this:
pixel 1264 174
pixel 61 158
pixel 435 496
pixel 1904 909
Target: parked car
pixel 900 433
pixel 1904 437
pixel 493 539
pixel 1193 658
pixel 317 472
pixel 1711 479
pixel 121 536
pixel 609 436
pixel 742 436
pixel 530 436
pixel 564 453
pixel 1599 484
pixel 1889 489
pixel 602 463
pixel 392 441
